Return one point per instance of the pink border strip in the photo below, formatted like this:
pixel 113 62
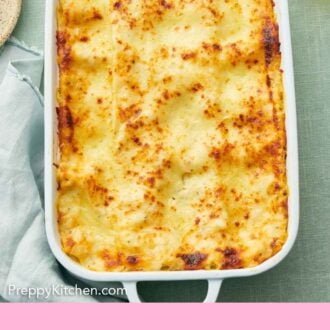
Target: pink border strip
pixel 165 316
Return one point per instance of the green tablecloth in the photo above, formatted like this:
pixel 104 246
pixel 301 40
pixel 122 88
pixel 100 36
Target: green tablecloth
pixel 305 274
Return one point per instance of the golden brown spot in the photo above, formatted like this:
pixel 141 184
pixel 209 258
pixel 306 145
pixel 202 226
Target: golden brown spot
pixel 277 187
pixel 273 243
pixel 65 124
pixel 132 260
pixel 231 259
pixel 197 87
pixel 167 80
pixel 108 200
pixel 70 242
pixel 110 261
pixel 151 181
pixel 84 39
pixel 225 151
pixel 166 95
pixel 64 50
pixel 188 56
pixel 270 39
pixel 247 216
pixel 212 47
pixel 285 206
pixel 97 15
pixel 219 192
pixel 193 261
pixel 129 112
pixel 68 98
pixel 117 5
pixel 167 163
pixel 166 4
pixel 274 148
pixel 137 141
pixel 61 39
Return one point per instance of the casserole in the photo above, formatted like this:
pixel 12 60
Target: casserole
pixel 129 279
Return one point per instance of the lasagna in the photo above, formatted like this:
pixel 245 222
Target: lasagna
pixel 171 130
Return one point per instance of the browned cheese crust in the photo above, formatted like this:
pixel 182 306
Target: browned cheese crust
pixel 172 134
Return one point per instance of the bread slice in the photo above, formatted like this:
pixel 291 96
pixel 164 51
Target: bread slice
pixel 9 13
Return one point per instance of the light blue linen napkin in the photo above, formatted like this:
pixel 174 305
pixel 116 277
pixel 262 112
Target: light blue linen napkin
pixel 25 258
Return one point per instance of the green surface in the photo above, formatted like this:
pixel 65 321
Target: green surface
pixel 305 274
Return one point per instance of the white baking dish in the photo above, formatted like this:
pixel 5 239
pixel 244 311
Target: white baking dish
pixel 130 279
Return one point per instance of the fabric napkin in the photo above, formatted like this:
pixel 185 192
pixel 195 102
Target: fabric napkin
pixel 25 258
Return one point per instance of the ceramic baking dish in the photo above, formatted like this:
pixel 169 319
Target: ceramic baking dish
pixel 130 279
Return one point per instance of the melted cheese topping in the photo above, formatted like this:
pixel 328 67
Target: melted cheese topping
pixel 172 134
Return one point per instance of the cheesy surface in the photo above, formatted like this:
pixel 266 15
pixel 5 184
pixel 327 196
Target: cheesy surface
pixel 172 135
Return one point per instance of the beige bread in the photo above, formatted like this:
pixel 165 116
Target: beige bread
pixel 9 13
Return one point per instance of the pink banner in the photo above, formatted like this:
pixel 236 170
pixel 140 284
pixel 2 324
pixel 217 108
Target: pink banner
pixel 165 316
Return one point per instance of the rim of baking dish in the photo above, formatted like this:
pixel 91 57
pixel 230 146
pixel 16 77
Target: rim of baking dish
pixel 137 276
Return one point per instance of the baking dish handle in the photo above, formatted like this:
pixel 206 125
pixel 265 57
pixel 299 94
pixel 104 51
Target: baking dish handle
pixel 213 290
